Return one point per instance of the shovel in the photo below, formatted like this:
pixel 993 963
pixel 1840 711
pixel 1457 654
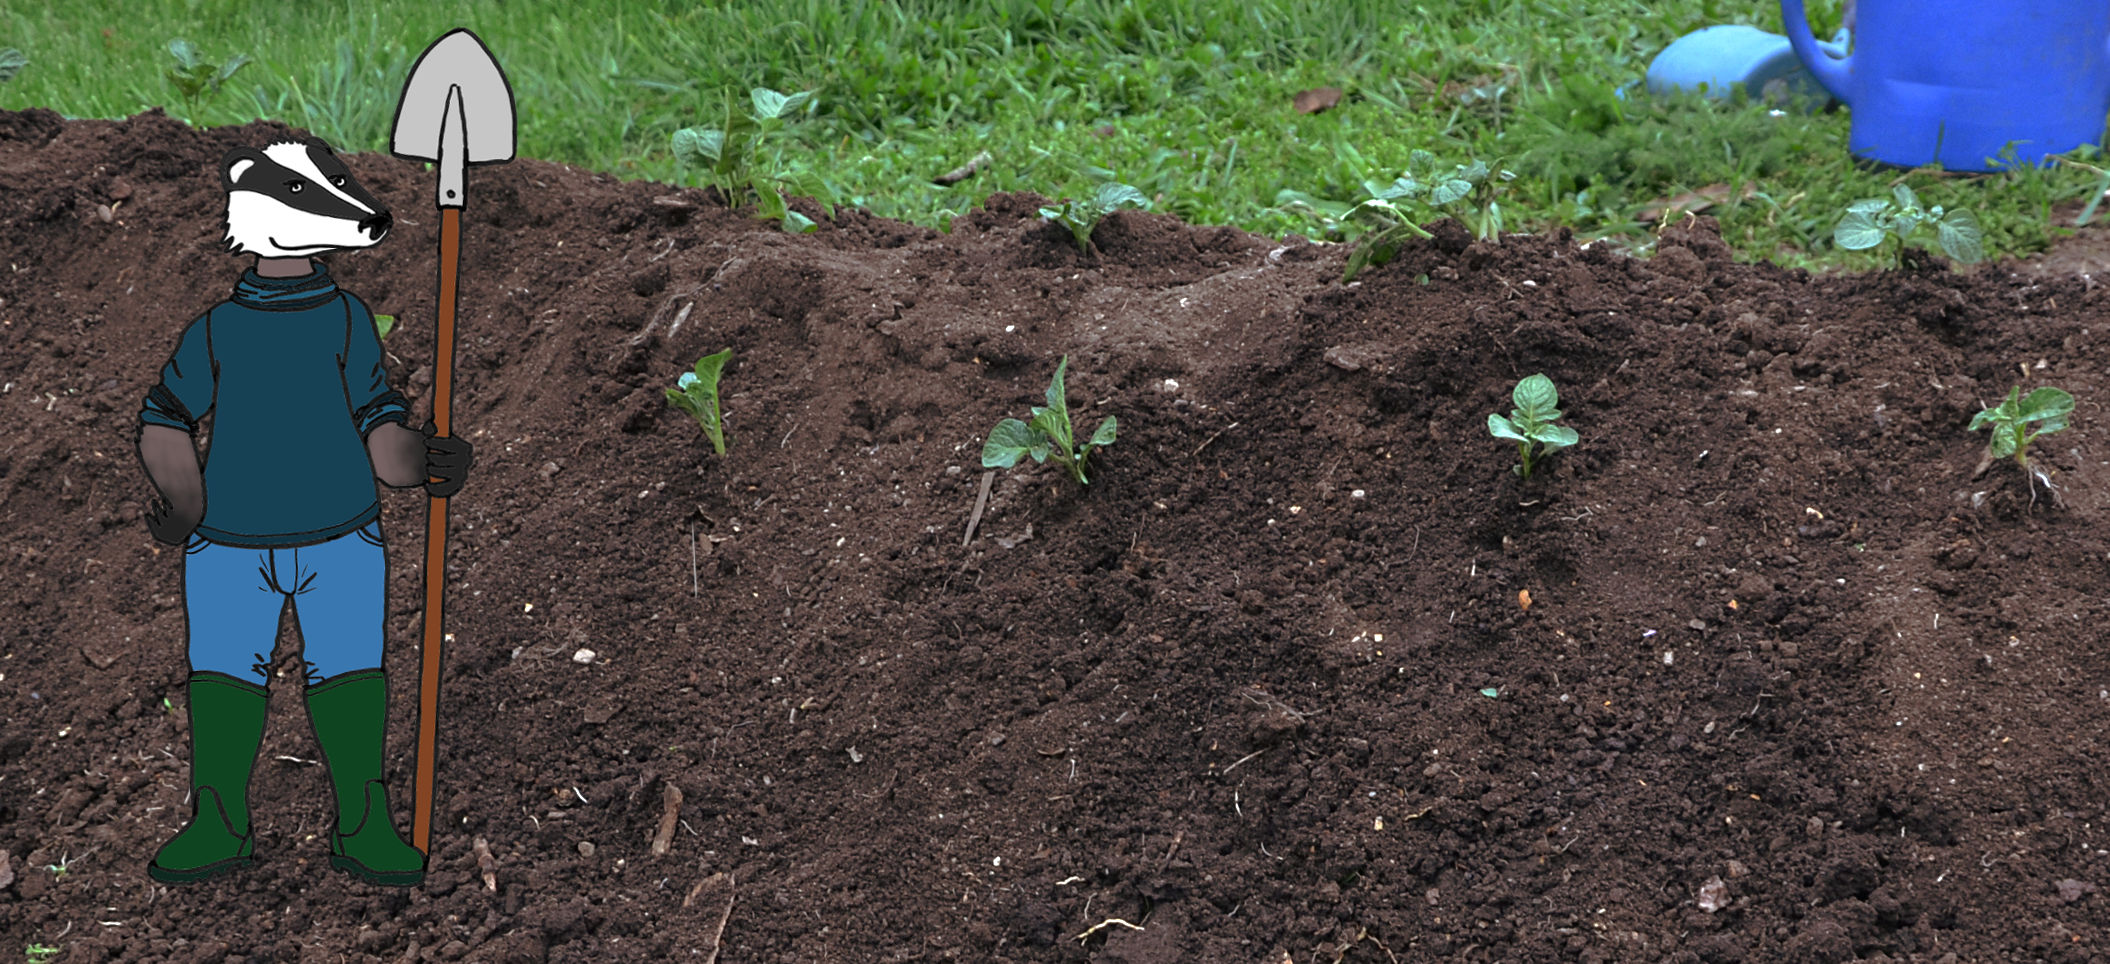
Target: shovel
pixel 457 110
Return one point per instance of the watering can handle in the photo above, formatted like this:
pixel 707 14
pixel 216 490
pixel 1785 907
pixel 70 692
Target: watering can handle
pixel 1830 72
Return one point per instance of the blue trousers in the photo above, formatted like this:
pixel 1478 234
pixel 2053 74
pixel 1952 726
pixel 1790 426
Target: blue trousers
pixel 234 597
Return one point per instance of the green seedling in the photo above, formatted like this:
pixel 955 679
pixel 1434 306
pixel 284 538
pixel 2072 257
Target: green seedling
pixel 731 156
pixel 697 394
pixel 1867 223
pixel 1082 215
pixel 1047 436
pixel 40 953
pixel 196 78
pixel 1537 408
pixel 1394 210
pixel 2010 422
pixel 383 324
pixel 11 63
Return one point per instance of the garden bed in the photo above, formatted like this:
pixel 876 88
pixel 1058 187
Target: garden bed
pixel 1785 655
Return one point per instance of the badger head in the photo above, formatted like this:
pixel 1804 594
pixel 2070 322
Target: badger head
pixel 296 199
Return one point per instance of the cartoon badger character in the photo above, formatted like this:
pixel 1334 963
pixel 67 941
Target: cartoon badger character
pixel 284 510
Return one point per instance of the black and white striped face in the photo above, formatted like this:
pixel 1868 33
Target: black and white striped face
pixel 293 200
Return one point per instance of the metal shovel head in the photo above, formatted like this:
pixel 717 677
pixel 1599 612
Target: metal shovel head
pixel 458 64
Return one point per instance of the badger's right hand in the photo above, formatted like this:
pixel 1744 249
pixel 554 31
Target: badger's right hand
pixel 173 524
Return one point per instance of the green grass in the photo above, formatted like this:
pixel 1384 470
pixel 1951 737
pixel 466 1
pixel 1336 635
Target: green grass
pixel 1188 100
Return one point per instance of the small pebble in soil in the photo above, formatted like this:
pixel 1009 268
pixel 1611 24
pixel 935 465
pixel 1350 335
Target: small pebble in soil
pixel 585 848
pixel 583 656
pixel 1357 494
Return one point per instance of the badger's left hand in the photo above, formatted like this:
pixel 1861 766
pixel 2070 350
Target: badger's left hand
pixel 447 461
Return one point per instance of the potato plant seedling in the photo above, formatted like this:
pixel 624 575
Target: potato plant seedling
pixel 196 78
pixel 1048 435
pixel 730 153
pixel 1531 422
pixel 1867 223
pixel 1082 215
pixel 697 394
pixel 2010 421
pixel 1394 209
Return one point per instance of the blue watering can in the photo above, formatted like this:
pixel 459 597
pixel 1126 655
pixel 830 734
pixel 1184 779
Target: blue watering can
pixel 1955 82
pixel 1715 59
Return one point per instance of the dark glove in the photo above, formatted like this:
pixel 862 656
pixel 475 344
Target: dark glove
pixel 171 524
pixel 447 460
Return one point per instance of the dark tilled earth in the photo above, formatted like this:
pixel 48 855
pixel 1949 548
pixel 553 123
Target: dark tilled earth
pixel 1793 683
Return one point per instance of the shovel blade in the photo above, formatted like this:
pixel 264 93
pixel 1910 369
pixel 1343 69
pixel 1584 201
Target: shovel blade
pixel 458 61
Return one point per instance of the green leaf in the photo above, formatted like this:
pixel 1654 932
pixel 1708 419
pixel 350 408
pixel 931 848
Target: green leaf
pixel 1501 427
pixel 1111 197
pixel 769 105
pixel 1054 425
pixel 11 62
pixel 768 201
pixel 1906 199
pixel 1857 231
pixel 1555 437
pixel 2045 403
pixel 221 76
pixel 811 184
pixel 697 395
pixel 709 367
pixel 185 52
pixel 699 145
pixel 1057 395
pixel 1450 190
pixel 796 223
pixel 1419 159
pixel 2003 444
pixel 1105 435
pixel 1961 237
pixel 1872 207
pixel 1536 396
pixel 1473 173
pixel 1008 441
pixel 383 324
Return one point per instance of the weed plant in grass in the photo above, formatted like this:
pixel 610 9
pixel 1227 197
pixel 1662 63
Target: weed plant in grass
pixel 1189 99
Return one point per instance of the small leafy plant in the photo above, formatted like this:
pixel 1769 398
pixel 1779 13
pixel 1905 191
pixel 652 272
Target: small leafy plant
pixel 1537 408
pixel 1867 223
pixel 2010 421
pixel 697 394
pixel 1047 436
pixel 1394 210
pixel 1082 215
pixel 731 153
pixel 196 78
pixel 11 63
pixel 40 953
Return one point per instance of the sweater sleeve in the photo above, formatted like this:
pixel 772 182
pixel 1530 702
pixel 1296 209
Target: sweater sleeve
pixel 188 381
pixel 365 380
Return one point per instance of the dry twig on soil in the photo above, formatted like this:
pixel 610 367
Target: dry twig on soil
pixel 668 819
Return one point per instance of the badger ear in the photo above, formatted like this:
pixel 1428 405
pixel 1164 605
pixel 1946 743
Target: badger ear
pixel 237 163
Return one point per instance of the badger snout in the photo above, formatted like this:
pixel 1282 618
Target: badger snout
pixel 378 224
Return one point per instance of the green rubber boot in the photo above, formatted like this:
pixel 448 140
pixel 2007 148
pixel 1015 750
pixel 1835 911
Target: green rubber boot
pixel 226 728
pixel 350 714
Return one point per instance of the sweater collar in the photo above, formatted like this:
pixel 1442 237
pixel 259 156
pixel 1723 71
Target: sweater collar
pixel 285 294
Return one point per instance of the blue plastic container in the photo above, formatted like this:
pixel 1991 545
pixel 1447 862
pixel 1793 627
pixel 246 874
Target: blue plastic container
pixel 1956 81
pixel 1715 59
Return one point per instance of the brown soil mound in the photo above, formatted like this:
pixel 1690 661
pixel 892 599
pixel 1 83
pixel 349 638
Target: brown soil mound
pixel 1792 684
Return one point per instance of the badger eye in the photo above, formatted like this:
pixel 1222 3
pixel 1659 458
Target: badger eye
pixel 295 186
pixel 337 179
